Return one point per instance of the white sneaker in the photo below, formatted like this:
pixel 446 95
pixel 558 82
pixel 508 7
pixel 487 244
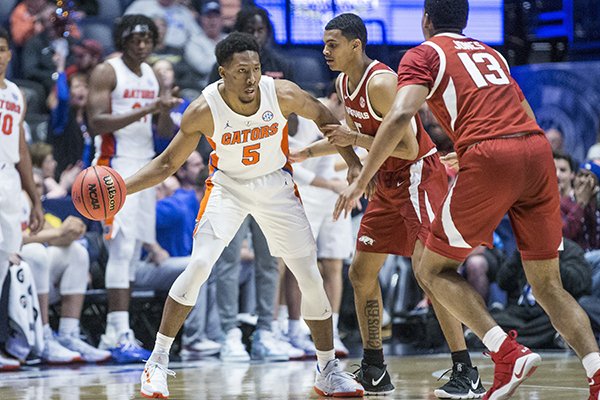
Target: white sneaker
pixel 154 381
pixel 233 350
pixel 334 382
pixel 56 353
pixel 88 352
pixel 201 348
pixel 341 351
pixel 285 345
pixel 304 343
pixel 266 348
pixel 7 363
pixel 107 341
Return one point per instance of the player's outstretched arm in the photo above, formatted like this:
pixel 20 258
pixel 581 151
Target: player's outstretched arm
pixel 292 99
pixel 196 120
pixel 100 119
pixel 393 129
pixel 319 148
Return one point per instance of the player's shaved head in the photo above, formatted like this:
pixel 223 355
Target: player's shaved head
pixel 351 26
pixel 450 15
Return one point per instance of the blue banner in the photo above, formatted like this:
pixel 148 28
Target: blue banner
pixel 565 96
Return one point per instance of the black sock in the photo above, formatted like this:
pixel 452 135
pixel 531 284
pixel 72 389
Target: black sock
pixel 373 357
pixel 461 357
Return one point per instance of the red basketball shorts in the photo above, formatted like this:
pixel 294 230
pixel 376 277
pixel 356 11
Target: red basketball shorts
pixel 514 175
pixel 403 207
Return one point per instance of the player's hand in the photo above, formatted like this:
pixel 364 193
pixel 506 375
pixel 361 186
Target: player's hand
pixel 297 156
pixel 370 190
pixel 353 173
pixel 167 101
pixel 158 255
pixel 450 160
pixel 36 218
pixel 339 135
pixel 347 200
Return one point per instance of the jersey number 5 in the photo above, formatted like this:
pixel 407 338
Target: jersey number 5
pixel 7 124
pixel 497 76
pixel 251 155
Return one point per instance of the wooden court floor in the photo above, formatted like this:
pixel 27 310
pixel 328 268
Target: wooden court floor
pixel 560 377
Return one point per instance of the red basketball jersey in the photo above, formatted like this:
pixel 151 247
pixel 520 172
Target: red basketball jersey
pixel 358 107
pixel 471 92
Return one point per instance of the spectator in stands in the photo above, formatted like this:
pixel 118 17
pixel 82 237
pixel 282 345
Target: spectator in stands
pixel 229 10
pixel 200 50
pixel 184 73
pixel 581 216
pixel 37 59
pixel 87 54
pixel 555 137
pixel 60 265
pixel 255 21
pixel 68 133
pixel 23 20
pixel 43 159
pixel 181 24
pixel 165 74
pixel 565 175
pixel 594 152
pixel 523 313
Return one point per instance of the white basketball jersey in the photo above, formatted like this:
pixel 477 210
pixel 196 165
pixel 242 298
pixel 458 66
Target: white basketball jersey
pixel 11 113
pixel 132 91
pixel 248 147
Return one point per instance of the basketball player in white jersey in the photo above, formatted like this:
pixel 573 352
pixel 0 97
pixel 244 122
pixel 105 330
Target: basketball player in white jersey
pixel 15 171
pixel 244 117
pixel 124 95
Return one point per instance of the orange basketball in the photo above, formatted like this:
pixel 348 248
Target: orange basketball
pixel 98 192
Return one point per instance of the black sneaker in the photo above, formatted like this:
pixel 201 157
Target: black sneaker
pixel 376 381
pixel 464 383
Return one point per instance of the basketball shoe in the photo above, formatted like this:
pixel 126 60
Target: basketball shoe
pixel 464 383
pixel 594 382
pixel 266 348
pixel 334 382
pixel 233 350
pixel 54 352
pixel 127 348
pixel 7 363
pixel 88 352
pixel 303 342
pixel 154 381
pixel 376 381
pixel 514 363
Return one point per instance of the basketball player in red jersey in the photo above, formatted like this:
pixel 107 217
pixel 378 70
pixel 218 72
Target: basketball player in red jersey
pixel 505 165
pixel 410 185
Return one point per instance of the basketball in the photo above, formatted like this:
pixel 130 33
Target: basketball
pixel 98 192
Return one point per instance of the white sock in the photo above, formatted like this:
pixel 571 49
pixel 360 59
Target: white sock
pixel 335 317
pixel 494 338
pixel 47 330
pixel 282 312
pixel 293 327
pixel 68 327
pixel 119 321
pixel 162 348
pixel 323 357
pixel 591 363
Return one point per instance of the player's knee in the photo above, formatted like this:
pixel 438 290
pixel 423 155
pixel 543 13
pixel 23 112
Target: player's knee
pixel 362 276
pixel 476 266
pixel 545 292
pixel 199 266
pixel 424 277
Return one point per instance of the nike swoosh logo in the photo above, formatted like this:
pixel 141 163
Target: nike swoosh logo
pixel 475 385
pixel 376 382
pixel 520 374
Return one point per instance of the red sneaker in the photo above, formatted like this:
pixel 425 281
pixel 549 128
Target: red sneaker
pixel 514 363
pixel 595 386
